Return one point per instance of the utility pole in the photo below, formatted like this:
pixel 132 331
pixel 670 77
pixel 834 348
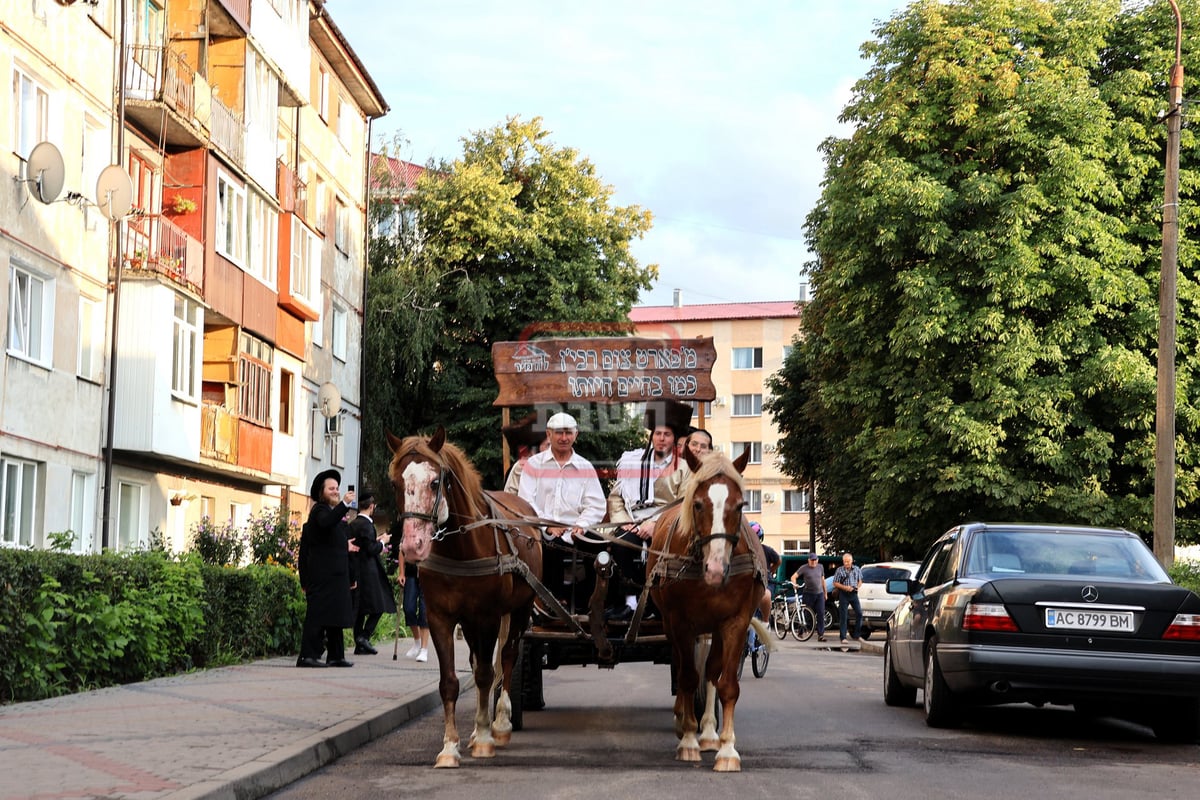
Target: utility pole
pixel 1164 445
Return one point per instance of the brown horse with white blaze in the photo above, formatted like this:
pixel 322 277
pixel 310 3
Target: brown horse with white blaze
pixel 707 573
pixel 476 556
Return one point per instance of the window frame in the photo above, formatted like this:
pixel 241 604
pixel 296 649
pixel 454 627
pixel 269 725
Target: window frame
pixel 739 355
pixel 339 333
pixel 25 133
pixel 797 497
pixel 186 348
pixel 753 400
pixel 41 328
pixel 22 518
pixel 756 451
pixel 83 510
pixel 89 357
pixel 230 234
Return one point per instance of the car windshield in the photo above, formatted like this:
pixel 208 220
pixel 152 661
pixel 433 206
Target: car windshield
pixel 997 553
pixel 884 574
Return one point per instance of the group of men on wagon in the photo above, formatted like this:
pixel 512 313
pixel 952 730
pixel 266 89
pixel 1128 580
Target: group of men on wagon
pixel 564 487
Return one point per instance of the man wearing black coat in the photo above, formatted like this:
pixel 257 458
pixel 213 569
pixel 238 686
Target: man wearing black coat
pixel 325 576
pixel 374 596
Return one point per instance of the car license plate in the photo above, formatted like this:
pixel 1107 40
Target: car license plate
pixel 872 613
pixel 1087 620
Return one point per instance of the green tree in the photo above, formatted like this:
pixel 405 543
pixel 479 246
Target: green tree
pixel 515 236
pixel 981 340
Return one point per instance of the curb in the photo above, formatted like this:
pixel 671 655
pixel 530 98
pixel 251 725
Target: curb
pixel 282 767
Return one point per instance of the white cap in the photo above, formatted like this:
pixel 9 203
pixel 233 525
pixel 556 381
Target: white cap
pixel 561 421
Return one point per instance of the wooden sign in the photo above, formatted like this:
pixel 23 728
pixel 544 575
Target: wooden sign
pixel 611 369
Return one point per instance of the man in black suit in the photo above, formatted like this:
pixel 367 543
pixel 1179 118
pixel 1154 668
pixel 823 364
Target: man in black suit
pixel 374 596
pixel 325 573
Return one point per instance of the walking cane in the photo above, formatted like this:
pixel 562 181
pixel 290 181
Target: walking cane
pixel 396 644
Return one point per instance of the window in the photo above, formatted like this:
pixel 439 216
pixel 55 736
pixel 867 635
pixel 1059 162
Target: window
pixel 753 499
pixel 263 241
pixel 132 519
pixel 254 377
pixel 306 261
pixel 83 511
pixel 31 122
pixel 797 500
pixel 323 92
pixel 18 487
pixel 338 345
pixel 186 349
pixel 735 452
pixel 146 22
pixel 349 124
pixel 287 401
pixel 747 405
pixel 30 315
pixel 231 219
pixel 747 358
pixel 91 339
pixel 318 328
pixel 207 506
pixel 94 158
pixel 341 222
pixel 787 351
pixel 791 546
pixel 321 206
pixel 703 407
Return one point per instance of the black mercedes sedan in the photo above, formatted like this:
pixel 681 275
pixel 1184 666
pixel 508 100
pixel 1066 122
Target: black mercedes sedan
pixel 1045 614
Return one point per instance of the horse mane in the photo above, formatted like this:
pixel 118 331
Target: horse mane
pixel 713 465
pixel 465 491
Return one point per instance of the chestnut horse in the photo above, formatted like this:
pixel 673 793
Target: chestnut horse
pixel 476 559
pixel 707 574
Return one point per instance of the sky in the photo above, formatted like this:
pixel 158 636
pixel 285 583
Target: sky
pixel 707 113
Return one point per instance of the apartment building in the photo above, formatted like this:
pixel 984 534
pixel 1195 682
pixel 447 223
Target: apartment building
pixel 751 341
pixel 214 312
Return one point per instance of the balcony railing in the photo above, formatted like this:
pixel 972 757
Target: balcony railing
pixel 155 74
pixel 228 132
pixel 293 192
pixel 155 244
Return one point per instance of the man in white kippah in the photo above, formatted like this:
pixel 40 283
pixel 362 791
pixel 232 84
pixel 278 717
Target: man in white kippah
pixel 562 485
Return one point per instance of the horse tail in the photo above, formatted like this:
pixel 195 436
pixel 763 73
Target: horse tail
pixel 760 630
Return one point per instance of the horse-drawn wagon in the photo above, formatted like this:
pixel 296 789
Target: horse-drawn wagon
pixel 481 555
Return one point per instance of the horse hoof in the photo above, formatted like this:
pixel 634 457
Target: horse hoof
pixel 502 738
pixel 727 765
pixel 446 762
pixel 687 754
pixel 483 751
pixel 710 745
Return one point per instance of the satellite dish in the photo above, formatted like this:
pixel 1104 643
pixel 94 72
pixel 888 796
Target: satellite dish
pixel 114 192
pixel 329 400
pixel 46 172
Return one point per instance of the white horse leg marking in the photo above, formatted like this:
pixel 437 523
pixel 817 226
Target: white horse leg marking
pixel 708 723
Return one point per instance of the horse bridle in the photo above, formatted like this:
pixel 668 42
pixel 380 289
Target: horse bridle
pixel 431 517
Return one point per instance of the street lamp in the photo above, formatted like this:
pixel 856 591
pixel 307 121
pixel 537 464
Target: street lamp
pixel 1164 431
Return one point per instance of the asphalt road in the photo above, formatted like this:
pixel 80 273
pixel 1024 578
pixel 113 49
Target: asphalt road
pixel 814 726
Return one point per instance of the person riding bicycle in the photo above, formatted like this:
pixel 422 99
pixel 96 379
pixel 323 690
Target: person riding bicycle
pixel 773 562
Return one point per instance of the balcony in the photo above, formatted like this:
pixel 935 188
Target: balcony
pixel 154 245
pixel 292 192
pixel 157 80
pixel 229 133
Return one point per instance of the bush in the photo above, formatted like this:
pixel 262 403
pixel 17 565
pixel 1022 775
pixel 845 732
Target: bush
pixel 71 622
pixel 274 539
pixel 1186 573
pixel 221 545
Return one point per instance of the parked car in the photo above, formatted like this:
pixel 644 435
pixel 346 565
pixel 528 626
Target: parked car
pixel 1005 613
pixel 877 603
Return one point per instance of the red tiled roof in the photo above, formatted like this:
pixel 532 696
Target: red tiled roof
pixel 764 310
pixel 402 174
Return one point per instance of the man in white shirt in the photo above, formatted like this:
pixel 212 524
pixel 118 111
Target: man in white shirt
pixel 562 485
pixel 631 501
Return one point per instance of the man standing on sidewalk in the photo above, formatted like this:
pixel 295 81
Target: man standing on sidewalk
pixel 846 580
pixel 325 549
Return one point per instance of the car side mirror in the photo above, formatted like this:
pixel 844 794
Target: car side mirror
pixel 903 586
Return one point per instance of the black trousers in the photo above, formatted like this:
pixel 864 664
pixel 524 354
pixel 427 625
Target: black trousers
pixel 630 564
pixel 315 639
pixel 364 626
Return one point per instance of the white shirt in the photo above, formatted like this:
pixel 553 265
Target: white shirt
pixel 629 481
pixel 569 493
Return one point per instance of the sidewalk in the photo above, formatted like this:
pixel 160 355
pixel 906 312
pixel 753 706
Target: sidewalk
pixel 233 732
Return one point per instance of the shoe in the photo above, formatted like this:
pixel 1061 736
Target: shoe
pixel 820 638
pixel 412 651
pixel 341 662
pixel 423 654
pixel 622 614
pixel 310 662
pixel 363 648
pixel 845 642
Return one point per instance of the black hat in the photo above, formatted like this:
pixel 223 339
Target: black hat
pixel 365 498
pixel 673 414
pixel 521 434
pixel 314 491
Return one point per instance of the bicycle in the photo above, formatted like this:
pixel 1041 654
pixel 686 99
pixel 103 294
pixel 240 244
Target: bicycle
pixel 788 613
pixel 759 654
